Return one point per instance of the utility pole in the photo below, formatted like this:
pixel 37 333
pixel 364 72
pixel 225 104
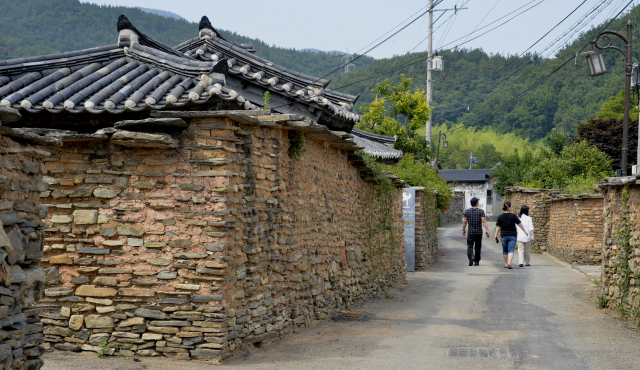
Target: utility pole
pixel 429 67
pixel 471 160
pixel 430 63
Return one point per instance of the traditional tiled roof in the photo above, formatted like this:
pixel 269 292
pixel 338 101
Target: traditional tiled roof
pixel 466 175
pixel 139 73
pixel 211 46
pixel 377 146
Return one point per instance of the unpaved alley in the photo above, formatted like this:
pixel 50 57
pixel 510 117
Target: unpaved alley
pixel 452 316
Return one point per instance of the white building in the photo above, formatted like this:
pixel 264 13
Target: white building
pixel 474 183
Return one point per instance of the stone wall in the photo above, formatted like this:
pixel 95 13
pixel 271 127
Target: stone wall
pixel 195 252
pixel 455 212
pixel 426 228
pixel 538 202
pixel 575 229
pixel 620 287
pixel 21 243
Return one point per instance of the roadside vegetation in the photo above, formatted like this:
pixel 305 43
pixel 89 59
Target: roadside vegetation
pixel 399 110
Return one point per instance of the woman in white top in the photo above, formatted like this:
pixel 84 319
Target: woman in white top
pixel 524 241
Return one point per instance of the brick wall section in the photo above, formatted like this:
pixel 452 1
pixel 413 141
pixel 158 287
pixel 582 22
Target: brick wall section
pixel 575 229
pixel 199 251
pixel 615 212
pixel 21 243
pixel 537 200
pixel 426 228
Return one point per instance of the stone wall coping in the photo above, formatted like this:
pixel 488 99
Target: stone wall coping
pixel 619 181
pixel 578 197
pixel 519 189
pixel 555 194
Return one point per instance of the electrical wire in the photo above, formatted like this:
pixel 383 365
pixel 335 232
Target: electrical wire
pixel 486 15
pixel 572 28
pixel 542 80
pixel 448 28
pixel 456 46
pixel 497 20
pixel 434 4
pixel 380 43
pixel 361 55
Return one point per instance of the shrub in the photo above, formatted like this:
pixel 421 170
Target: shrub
pixel 420 174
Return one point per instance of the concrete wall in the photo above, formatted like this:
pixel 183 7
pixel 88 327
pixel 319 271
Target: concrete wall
pixel 575 229
pixel 21 243
pixel 199 251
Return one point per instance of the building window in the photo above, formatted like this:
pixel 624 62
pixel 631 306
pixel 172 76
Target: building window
pixel 458 193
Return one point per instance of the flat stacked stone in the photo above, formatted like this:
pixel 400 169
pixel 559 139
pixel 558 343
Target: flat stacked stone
pixel 196 251
pixel 576 225
pixel 21 244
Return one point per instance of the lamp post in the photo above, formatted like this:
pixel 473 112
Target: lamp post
pixel 595 60
pixel 445 145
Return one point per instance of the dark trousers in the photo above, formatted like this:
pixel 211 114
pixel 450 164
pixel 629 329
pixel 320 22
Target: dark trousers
pixel 471 240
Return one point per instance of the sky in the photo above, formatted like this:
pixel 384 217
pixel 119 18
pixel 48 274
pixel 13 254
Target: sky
pixel 350 26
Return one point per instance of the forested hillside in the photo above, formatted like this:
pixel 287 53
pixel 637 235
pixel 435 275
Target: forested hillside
pixel 472 90
pixel 163 13
pixel 475 85
pixel 36 27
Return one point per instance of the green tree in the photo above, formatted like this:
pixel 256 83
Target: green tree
pixel 557 139
pixel 487 156
pixel 577 160
pixel 420 174
pixel 464 140
pixel 606 135
pixel 513 170
pixel 614 108
pixel 401 113
pixel 577 164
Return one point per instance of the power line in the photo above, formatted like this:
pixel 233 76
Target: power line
pixel 573 27
pixel 436 4
pixel 381 42
pixel 486 15
pixel 361 55
pixel 497 20
pixel 542 80
pixel 456 46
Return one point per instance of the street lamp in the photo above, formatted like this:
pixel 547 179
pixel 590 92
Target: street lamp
pixel 595 60
pixel 597 68
pixel 445 145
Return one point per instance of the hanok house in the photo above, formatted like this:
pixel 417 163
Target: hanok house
pixel 468 184
pixel 185 220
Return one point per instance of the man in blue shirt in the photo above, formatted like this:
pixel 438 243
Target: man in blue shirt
pixel 475 218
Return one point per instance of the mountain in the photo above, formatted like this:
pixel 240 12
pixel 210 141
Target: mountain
pixel 163 13
pixel 473 88
pixel 474 85
pixel 316 51
pixel 37 27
